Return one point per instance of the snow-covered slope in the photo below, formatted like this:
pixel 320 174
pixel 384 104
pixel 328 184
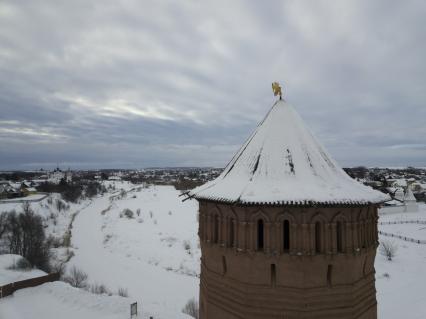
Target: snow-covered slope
pixel 154 255
pixel 148 256
pixel 283 163
pixel 60 300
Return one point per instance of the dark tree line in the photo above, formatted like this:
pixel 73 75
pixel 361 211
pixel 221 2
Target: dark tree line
pixel 19 176
pixel 73 191
pixel 23 234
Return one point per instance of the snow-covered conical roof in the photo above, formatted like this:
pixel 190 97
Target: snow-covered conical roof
pixel 282 163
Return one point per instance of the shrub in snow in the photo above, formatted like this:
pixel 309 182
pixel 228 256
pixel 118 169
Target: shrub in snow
pixel 68 254
pixel 187 246
pixel 191 308
pixel 103 212
pixel 127 213
pixel 170 212
pixel 151 213
pixel 23 264
pixel 388 249
pixel 59 268
pixel 123 292
pixel 76 278
pixel 60 205
pixel 99 289
pixel 155 222
pixel 92 189
pixel 107 238
pixel 54 242
pixel 66 239
pixel 20 264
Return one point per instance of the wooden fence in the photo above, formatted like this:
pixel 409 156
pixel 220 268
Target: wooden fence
pixel 413 240
pixel 9 289
pixel 417 221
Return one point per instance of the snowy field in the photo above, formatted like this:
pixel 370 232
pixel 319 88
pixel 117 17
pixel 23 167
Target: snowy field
pixel 153 252
pixel 60 300
pixel 401 283
pixel 8 275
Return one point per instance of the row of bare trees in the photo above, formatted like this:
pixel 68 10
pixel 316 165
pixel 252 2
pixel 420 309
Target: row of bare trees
pixel 23 234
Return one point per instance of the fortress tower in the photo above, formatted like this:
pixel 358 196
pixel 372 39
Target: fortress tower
pixel 284 232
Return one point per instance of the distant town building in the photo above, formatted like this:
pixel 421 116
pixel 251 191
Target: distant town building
pixel 57 175
pixel 410 201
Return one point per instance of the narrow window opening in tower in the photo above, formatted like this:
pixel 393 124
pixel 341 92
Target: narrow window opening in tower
pixel 364 268
pixel 329 274
pixel 231 232
pixel 260 234
pixel 339 237
pixel 363 239
pixel 286 235
pixel 318 235
pixel 216 229
pixel 224 268
pixel 273 275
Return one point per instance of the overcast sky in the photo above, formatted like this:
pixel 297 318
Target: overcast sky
pixel 131 84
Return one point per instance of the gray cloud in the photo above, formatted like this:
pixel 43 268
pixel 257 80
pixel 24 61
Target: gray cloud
pixel 155 83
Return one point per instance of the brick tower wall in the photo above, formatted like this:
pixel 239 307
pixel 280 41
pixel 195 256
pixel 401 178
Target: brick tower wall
pixel 322 268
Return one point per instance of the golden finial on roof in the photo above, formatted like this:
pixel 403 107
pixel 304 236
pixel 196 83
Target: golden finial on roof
pixel 276 88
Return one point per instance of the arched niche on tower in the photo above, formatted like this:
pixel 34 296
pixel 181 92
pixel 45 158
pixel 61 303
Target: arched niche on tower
pixel 260 231
pixel 318 233
pixel 229 227
pixel 214 219
pixel 362 228
pixel 340 232
pixel 370 225
pixel 285 231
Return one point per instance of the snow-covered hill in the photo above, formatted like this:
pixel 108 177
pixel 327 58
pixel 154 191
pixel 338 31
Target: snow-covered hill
pixel 153 252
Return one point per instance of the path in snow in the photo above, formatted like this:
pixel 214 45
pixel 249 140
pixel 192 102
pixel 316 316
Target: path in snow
pixel 125 262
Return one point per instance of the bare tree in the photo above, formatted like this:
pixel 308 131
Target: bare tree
pixel 191 308
pixel 123 292
pixel 99 289
pixel 388 249
pixel 76 278
pixel 24 235
pixel 34 244
pixel 3 224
